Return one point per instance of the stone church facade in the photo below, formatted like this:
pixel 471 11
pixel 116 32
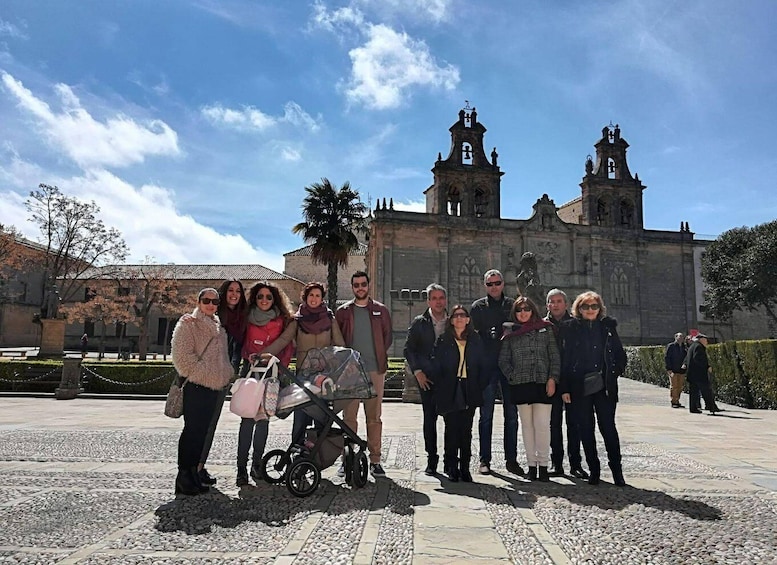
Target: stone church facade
pixel 649 279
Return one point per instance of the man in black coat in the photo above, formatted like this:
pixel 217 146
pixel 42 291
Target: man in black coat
pixel 698 372
pixel 423 332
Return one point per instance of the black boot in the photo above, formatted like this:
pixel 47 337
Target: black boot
pixel 431 465
pixel 466 476
pixel 242 477
pixel 196 476
pixel 185 483
pixel 205 477
pixel 452 469
pixel 617 475
pixel 532 473
pixel 543 475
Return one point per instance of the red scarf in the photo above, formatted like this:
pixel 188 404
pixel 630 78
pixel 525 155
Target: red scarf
pixel 314 320
pixel 530 326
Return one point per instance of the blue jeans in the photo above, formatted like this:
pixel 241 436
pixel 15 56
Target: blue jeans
pixel 486 423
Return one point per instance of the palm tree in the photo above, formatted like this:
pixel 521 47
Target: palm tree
pixel 333 218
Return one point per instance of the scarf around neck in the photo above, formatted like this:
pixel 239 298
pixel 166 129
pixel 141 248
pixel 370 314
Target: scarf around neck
pixel 259 317
pixel 530 326
pixel 314 320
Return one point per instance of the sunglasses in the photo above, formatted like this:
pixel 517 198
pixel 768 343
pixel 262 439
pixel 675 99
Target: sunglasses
pixel 264 296
pixel 361 285
pixel 495 283
pixel 214 301
pixel 523 309
pixel 590 307
pixel 460 315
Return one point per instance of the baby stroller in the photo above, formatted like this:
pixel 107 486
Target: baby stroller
pixel 326 381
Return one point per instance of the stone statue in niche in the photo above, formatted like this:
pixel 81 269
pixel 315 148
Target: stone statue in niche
pixel 528 280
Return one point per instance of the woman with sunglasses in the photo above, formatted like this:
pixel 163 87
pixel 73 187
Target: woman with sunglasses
pixel 199 352
pixel 530 360
pixel 232 314
pixel 269 313
pixel 592 359
pixel 458 360
pixel 312 327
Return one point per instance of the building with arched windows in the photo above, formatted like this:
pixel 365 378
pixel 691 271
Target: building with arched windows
pixel 649 279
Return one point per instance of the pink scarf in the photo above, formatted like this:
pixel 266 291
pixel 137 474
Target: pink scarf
pixel 314 320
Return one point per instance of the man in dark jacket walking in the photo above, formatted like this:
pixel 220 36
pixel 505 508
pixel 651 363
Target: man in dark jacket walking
pixel 488 314
pixel 673 359
pixel 698 371
pixel 421 336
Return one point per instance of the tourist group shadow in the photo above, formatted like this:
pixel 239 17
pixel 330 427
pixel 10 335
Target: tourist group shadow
pixel 275 506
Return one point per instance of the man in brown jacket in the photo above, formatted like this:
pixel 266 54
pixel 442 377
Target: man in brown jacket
pixel 366 327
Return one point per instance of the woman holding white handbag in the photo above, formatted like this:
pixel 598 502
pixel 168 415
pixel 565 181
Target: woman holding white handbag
pixel 199 352
pixel 269 314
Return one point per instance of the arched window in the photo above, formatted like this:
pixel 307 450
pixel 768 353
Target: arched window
pixel 626 214
pixel 469 281
pixel 619 284
pixel 466 153
pixel 612 168
pixel 603 212
pixel 453 200
pixel 481 202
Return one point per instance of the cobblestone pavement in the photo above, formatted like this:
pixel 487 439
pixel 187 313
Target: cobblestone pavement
pixel 90 482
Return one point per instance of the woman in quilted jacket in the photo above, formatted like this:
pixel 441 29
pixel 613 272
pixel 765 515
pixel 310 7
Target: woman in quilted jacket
pixel 199 352
pixel 269 313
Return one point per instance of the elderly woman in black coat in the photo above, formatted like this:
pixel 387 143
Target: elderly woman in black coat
pixel 592 359
pixel 459 380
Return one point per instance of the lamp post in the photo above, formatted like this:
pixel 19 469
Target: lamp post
pixel 410 297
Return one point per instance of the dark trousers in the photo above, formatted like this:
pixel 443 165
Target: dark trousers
pixel 486 423
pixel 698 390
pixel 589 411
pixel 557 436
pixel 458 438
pixel 212 426
pixel 429 407
pixel 199 403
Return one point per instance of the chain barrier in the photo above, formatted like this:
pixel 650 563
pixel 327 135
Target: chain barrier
pixel 89 372
pixel 31 379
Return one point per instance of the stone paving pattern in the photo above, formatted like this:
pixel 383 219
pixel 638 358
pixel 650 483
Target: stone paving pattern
pixel 91 481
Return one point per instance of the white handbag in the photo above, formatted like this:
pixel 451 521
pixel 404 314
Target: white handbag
pixel 248 394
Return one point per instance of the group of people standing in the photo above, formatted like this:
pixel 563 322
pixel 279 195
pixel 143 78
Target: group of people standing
pixel 686 358
pixel 463 358
pixel 226 331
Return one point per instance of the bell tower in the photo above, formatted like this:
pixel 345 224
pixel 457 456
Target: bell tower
pixel 466 183
pixel 611 196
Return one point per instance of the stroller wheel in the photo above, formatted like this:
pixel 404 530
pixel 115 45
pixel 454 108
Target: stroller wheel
pixel 348 463
pixel 274 465
pixel 361 470
pixel 303 477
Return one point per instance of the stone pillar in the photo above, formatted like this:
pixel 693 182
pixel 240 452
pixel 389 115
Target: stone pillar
pixel 70 385
pixel 410 393
pixel 52 337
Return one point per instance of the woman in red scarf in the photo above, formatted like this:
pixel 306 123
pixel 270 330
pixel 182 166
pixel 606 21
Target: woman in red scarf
pixel 312 327
pixel 268 316
pixel 530 360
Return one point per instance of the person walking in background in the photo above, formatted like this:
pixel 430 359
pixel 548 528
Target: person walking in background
pixel 488 315
pixel 699 372
pixel 530 361
pixel 311 327
pixel 199 352
pixel 232 315
pixel 673 359
pixel 458 361
pixel 421 335
pixel 366 327
pixel 592 360
pixel 268 315
pixel 557 304
pixel 84 345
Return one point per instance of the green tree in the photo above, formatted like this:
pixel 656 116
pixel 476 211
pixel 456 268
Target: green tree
pixel 333 218
pixel 740 271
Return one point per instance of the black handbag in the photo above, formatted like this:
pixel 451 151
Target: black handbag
pixel 592 383
pixel 459 401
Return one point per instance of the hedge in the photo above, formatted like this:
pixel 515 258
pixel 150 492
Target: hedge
pixel 745 372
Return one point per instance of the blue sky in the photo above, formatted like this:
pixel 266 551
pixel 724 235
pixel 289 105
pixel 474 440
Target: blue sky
pixel 196 125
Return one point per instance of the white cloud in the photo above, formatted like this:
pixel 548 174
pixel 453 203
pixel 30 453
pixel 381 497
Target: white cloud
pixel 411 206
pixel 290 154
pixel 119 141
pixel 342 19
pixel 10 30
pixel 389 64
pixel 435 10
pixel 249 118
